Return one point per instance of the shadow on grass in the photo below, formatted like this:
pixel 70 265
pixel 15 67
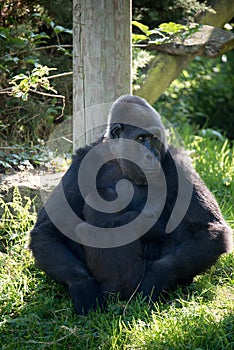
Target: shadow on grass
pixel 47 320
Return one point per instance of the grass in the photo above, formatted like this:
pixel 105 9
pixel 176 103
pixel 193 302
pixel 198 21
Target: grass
pixel 36 313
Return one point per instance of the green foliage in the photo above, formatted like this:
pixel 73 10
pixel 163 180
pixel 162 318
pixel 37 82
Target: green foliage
pixel 165 33
pixel 22 157
pixel 17 219
pixel 25 157
pixel 30 122
pixel 16 48
pixel 31 39
pixel 172 28
pixel 23 84
pixel 213 157
pixel 202 95
pixel 140 59
pixel 62 12
pixel 154 12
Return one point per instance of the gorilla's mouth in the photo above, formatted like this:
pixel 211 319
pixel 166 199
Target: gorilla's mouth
pixel 150 170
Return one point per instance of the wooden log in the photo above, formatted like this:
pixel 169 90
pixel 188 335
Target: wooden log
pixel 102 63
pixel 208 41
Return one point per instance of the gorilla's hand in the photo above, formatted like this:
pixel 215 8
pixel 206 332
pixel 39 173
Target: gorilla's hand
pixel 157 279
pixel 102 220
pixel 86 295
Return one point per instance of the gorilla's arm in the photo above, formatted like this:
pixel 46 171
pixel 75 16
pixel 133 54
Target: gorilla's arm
pixel 185 261
pixel 193 246
pixel 118 269
pixel 63 260
pixel 59 256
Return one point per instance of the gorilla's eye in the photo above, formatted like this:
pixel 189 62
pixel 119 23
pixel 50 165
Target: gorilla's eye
pixel 116 131
pixel 141 138
pixel 156 139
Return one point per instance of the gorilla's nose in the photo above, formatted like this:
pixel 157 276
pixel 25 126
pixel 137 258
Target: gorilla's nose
pixel 150 162
pixel 149 158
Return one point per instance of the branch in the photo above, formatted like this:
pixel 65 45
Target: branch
pixel 52 47
pixel 39 49
pixel 9 89
pixel 59 75
pixel 207 41
pixel 6 90
pixel 52 95
pixel 47 94
pixel 165 68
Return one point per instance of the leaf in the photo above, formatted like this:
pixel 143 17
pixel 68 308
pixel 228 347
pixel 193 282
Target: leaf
pixel 155 31
pixel 5 164
pixel 4 69
pixel 13 155
pixel 4 33
pixel 185 73
pixel 139 37
pixel 52 24
pixel 25 96
pixel 15 42
pixel 31 60
pixel 141 26
pixel 19 77
pixel 41 35
pixel 171 27
pixel 51 110
pixel 60 29
pixel 65 51
pixel 10 58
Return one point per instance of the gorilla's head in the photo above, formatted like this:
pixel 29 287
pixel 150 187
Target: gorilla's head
pixel 132 118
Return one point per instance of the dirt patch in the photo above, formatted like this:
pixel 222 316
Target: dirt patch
pixel 31 183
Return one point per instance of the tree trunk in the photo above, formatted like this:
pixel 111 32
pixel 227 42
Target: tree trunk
pixel 102 63
pixel 164 68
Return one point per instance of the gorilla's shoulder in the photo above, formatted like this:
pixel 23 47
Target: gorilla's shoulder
pixel 82 151
pixel 180 157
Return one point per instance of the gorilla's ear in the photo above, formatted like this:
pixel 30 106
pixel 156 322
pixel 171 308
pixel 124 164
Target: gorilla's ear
pixel 116 130
pixel 113 131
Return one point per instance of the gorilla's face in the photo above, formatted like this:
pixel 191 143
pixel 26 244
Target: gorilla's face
pixel 148 156
pixel 132 118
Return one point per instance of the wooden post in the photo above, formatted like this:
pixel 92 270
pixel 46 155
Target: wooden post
pixel 102 62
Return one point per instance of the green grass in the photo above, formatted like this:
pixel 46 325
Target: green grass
pixel 36 313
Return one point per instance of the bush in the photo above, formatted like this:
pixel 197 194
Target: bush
pixel 202 95
pixel 30 36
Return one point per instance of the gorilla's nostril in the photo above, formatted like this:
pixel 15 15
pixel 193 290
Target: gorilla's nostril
pixel 149 157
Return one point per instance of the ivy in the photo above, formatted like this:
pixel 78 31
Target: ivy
pixel 25 157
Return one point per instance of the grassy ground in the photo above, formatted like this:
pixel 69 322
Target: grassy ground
pixel 37 314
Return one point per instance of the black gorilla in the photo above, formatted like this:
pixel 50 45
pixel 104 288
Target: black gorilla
pixel 147 259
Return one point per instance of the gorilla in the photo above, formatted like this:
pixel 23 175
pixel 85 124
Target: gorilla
pixel 130 215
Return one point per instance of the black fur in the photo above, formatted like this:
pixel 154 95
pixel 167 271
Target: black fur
pixel 155 262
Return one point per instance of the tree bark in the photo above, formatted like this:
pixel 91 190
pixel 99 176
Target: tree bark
pixel 101 63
